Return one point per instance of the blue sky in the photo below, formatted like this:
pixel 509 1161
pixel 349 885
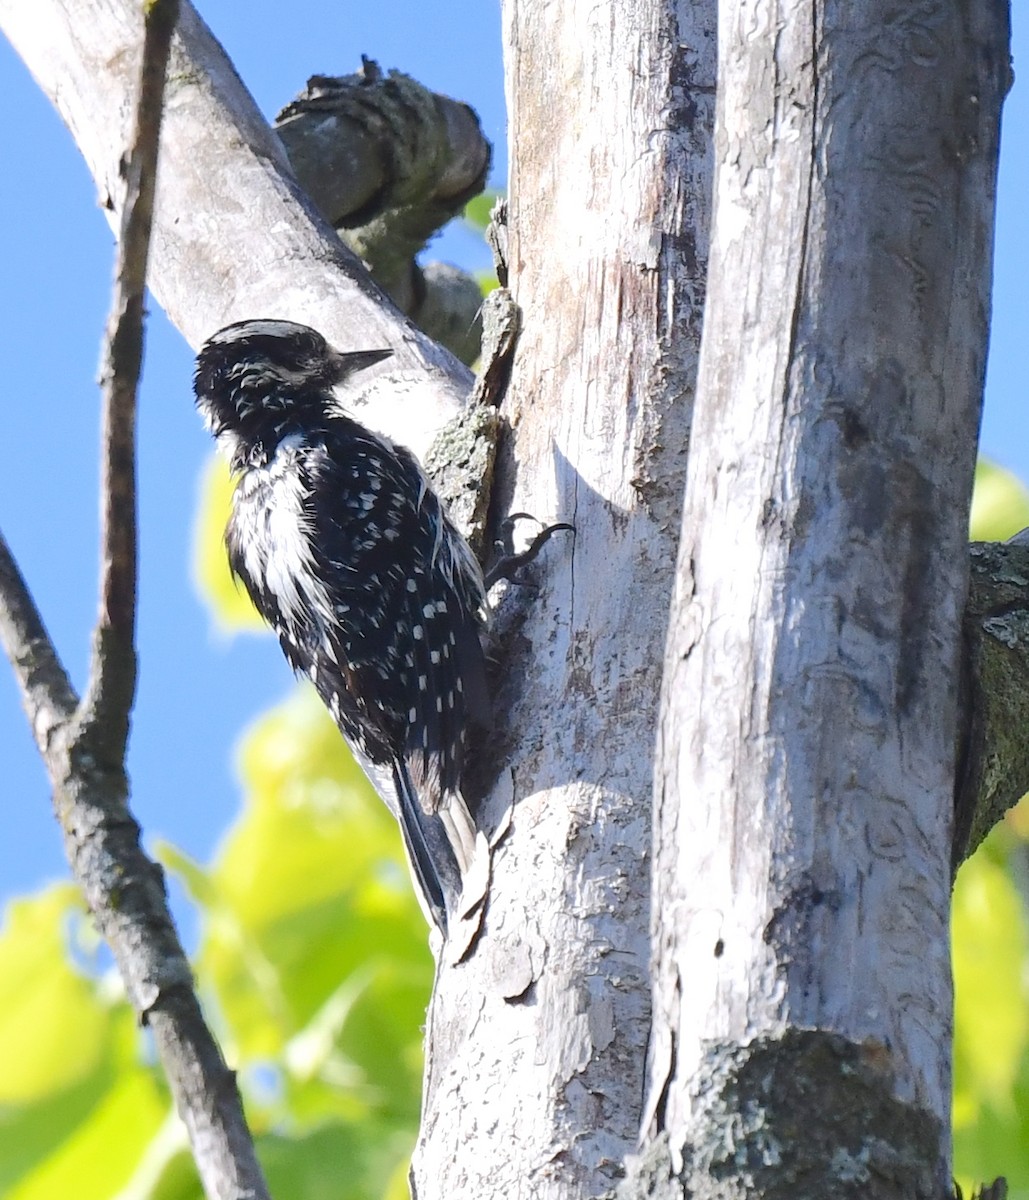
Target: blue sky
pixel 197 690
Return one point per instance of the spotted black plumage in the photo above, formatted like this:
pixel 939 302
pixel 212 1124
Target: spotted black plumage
pixel 348 554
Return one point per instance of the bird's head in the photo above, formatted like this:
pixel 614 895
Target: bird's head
pixel 256 378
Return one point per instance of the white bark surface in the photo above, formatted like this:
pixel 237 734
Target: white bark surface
pixel 807 755
pixel 233 236
pixel 538 1040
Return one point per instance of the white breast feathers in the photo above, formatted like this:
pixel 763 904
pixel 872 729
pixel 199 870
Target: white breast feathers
pixel 271 533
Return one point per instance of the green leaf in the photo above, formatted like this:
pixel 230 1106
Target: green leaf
pixel 996 1144
pixel 94 1161
pixel 165 1170
pixel 991 1011
pixel 53 1028
pixel 334 1162
pixel 477 210
pixel 314 953
pixel 487 281
pixel 1000 504
pixel 228 600
pixel 76 1106
pixel 314 971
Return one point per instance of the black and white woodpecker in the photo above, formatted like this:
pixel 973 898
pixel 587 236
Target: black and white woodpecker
pixel 375 596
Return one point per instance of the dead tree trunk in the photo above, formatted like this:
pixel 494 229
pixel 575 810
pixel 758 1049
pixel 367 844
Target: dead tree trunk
pixel 807 766
pixel 537 1040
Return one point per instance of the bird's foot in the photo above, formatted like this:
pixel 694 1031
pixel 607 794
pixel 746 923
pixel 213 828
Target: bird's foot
pixel 511 561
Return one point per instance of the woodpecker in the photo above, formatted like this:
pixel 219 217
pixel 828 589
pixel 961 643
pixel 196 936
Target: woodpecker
pixel 349 555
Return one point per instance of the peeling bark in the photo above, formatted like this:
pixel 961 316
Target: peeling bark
pixel 388 163
pixel 806 763
pixel 537 1040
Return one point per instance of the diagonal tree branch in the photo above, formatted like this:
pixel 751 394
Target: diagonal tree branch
pixel 112 674
pixel 234 235
pixel 389 162
pixel 83 744
pixel 47 694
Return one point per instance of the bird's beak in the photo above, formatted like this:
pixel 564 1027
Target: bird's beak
pixel 349 363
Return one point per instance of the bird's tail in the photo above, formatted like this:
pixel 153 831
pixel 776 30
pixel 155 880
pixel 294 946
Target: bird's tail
pixel 446 853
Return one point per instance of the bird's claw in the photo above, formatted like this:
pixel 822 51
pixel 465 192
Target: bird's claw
pixel 511 561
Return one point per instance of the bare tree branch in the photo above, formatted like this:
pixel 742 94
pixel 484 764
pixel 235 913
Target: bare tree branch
pixel 389 162
pixel 112 674
pixel 448 307
pixel 383 157
pixel 83 744
pixel 47 695
pixel 234 236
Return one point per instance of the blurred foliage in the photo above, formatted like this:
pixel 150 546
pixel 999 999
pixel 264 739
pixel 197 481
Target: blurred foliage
pixel 477 211
pixel 228 601
pixel 476 216
pixel 1000 504
pixel 314 971
pixel 313 967
pixel 990 934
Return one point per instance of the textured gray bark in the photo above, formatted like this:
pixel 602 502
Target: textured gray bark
pixel 537 1039
pixel 806 763
pixel 388 163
